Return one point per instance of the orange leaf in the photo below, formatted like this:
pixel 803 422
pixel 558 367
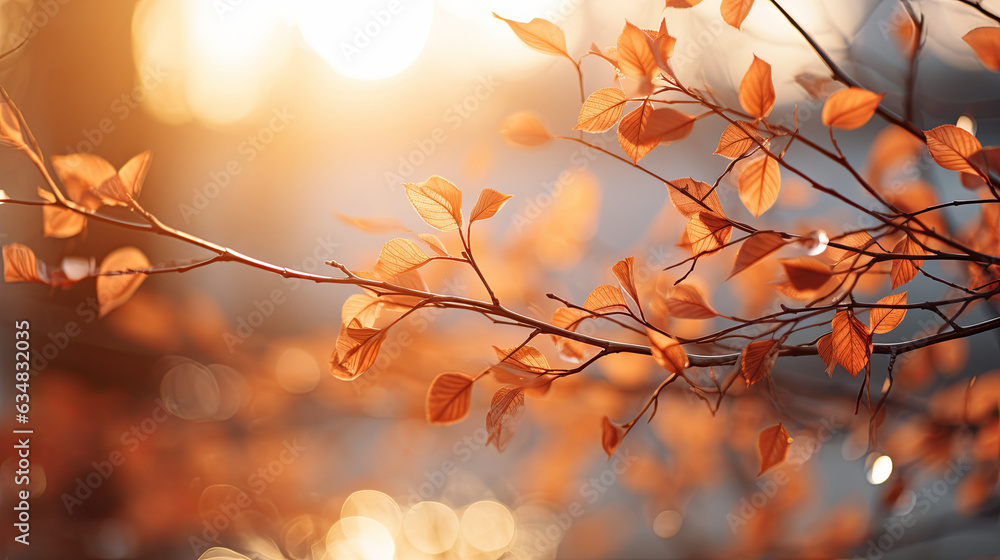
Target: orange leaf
pixel 759 185
pixel 20 265
pixel 632 132
pixel 687 301
pixel 735 11
pixel 682 3
pixel 755 248
pixel 668 125
pixel 806 273
pixel 356 350
pixel 612 435
pixel 372 225
pixel 81 174
pixel 606 299
pixel 490 202
pixel 667 352
pixel 904 270
pixel 757 90
pixel 506 409
pixel 10 125
pixel 707 232
pixel 526 358
pixel 601 110
pixel 635 54
pixel 663 45
pixel 399 256
pixel 435 243
pixel 757 359
pixel 437 201
pixel 738 139
pixel 525 129
pixel 955 148
pixel 825 347
pixel 540 34
pixel 123 187
pixel 858 240
pixel 772 445
pixel 850 108
pixel 363 307
pixel 59 222
pixel 569 318
pixel 884 320
pixel 449 398
pixel 851 342
pixel 985 42
pixel 113 290
pixel 687 205
pixel 624 270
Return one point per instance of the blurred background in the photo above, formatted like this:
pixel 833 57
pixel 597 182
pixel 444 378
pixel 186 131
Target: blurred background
pixel 201 414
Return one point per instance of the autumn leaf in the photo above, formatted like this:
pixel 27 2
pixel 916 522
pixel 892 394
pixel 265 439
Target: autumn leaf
pixel 20 265
pixel 904 270
pixel 688 205
pixel 540 34
pixel 663 46
pixel 772 445
pixel 759 184
pixel 435 243
pixel 449 398
pixel 757 359
pixel 955 148
pixel 81 174
pixel 356 350
pixel 612 434
pixel 755 248
pixel 883 320
pixel 738 139
pixel 490 202
pixel 569 318
pixel 850 108
pixel 985 42
pixel 133 174
pixel 806 273
pixel 372 225
pixel 858 240
pixel 399 256
pixel 624 271
pixel 10 125
pixel 757 90
pixel 708 232
pixel 526 358
pixel 606 299
pixel 525 129
pixel 851 342
pixel 59 222
pixel 667 352
pixel 506 409
pixel 113 290
pixel 601 110
pixel 632 132
pixel 687 301
pixel 825 347
pixel 363 307
pixel 735 11
pixel 635 54
pixel 437 201
pixel 668 125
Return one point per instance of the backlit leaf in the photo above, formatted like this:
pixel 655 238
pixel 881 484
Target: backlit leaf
pixel 60 222
pixel 755 248
pixel 825 347
pixel 449 398
pixel 707 232
pixel 955 148
pixel 612 435
pixel 624 270
pixel 772 446
pixel 757 89
pixel 601 110
pixel 133 173
pixel 525 129
pixel 667 352
pixel 985 42
pixel 606 299
pixel 687 205
pixel 437 201
pixel 81 174
pixel 539 34
pixel 759 185
pixel 435 243
pixel 20 264
pixel 735 11
pixel 851 342
pixel 399 256
pixel 663 45
pixel 884 320
pixel 10 125
pixel 635 54
pixel 632 132
pixel 113 290
pixel 757 359
pixel 903 270
pixel 526 358
pixel 363 307
pixel 506 410
pixel 569 318
pixel 806 273
pixel 687 301
pixel 850 108
pixel 490 202
pixel 738 139
pixel 668 125
pixel 356 350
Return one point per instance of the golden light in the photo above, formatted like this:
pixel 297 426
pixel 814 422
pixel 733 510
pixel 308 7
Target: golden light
pixel 488 525
pixel 366 40
pixel 431 527
pixel 359 538
pixel 880 470
pixel 374 505
pixel 667 524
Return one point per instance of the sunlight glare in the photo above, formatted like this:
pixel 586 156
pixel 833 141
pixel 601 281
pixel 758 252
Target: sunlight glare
pixel 359 538
pixel 431 527
pixel 374 505
pixel 488 525
pixel 880 470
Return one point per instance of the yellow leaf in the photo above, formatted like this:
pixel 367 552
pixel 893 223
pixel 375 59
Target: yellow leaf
pixel 755 248
pixel 437 201
pixel 708 232
pixel 612 435
pixel 738 139
pixel 525 129
pixel 735 11
pixel 850 108
pixel 624 271
pixel 806 273
pixel 668 125
pixel 113 290
pixel 399 256
pixel 985 42
pixel 757 90
pixel 632 132
pixel 772 445
pixel 687 301
pixel 759 185
pixel 449 398
pixel 635 54
pixel 687 205
pixel 667 352
pixel 20 265
pixel 955 148
pixel 757 359
pixel 490 202
pixel 883 320
pixel 539 34
pixel 506 409
pixel 435 243
pixel 606 299
pixel 851 342
pixel 601 110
